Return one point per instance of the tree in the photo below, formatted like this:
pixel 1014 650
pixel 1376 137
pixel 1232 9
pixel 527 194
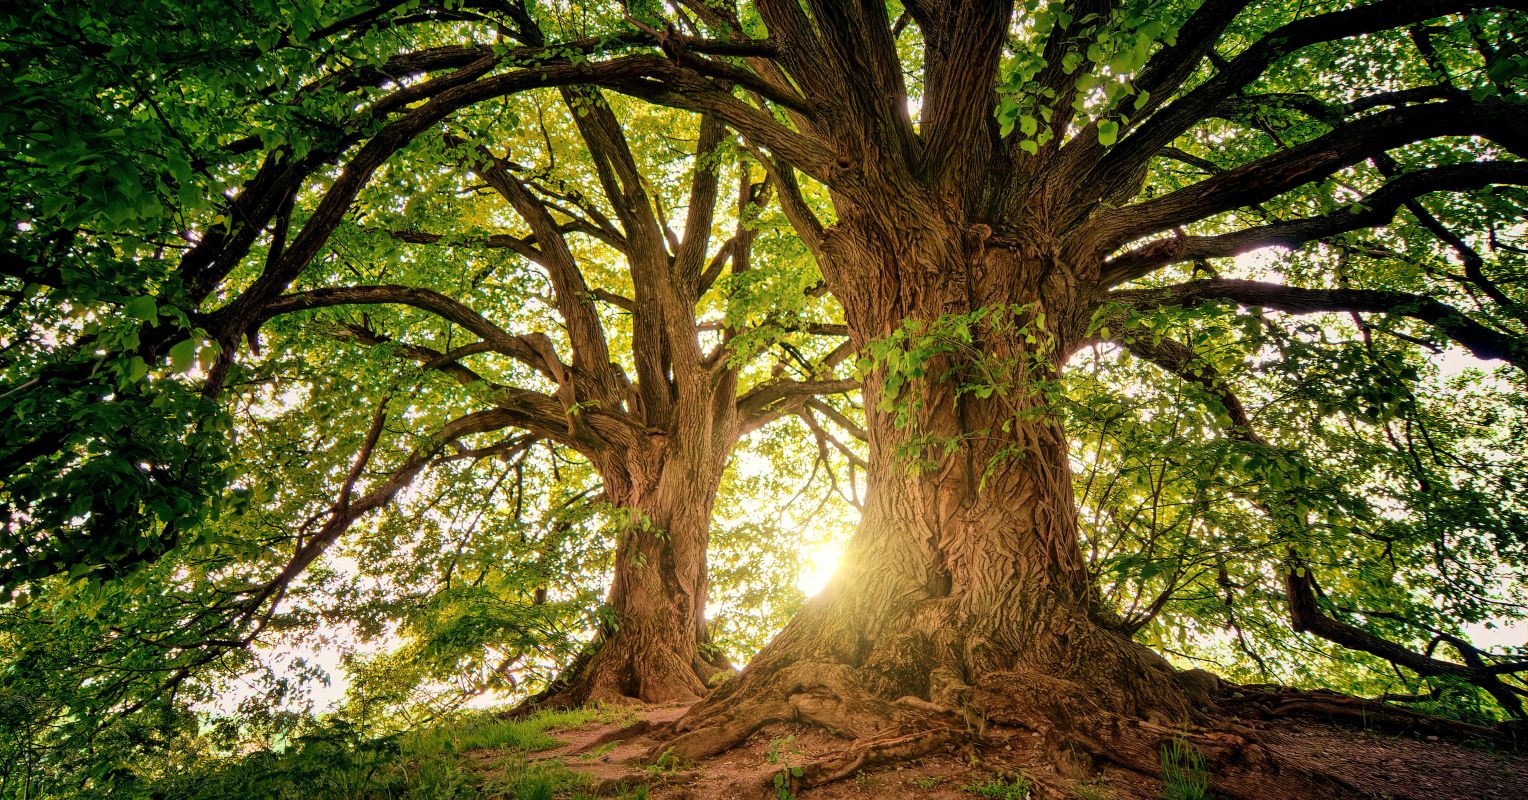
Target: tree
pixel 659 440
pixel 988 189
pixel 964 590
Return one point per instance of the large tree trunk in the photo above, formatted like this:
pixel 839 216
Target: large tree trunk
pixel 653 645
pixel 964 596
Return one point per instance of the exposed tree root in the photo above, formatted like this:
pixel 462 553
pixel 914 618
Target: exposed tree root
pixel 824 694
pixel 1097 703
pixel 861 754
pixel 1081 735
pixel 616 671
pixel 1270 702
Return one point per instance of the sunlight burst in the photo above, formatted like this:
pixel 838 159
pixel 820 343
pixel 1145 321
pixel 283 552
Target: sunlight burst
pixel 819 562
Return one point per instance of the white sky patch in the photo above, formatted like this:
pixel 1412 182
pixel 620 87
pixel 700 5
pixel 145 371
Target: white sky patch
pixel 1495 635
pixel 1456 361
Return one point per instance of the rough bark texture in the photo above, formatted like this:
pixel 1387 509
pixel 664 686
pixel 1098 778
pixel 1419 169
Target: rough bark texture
pixel 682 415
pixel 963 599
pixel 964 595
pixel 654 648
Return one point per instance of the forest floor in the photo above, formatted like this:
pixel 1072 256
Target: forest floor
pixel 609 752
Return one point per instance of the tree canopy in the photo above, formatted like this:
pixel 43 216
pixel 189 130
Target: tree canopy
pixel 525 342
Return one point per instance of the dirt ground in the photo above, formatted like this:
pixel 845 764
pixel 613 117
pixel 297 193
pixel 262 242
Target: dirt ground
pixel 1372 765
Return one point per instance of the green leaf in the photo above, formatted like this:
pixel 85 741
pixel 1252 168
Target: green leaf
pixel 207 355
pixel 1108 132
pixel 142 308
pixel 183 355
pixel 137 369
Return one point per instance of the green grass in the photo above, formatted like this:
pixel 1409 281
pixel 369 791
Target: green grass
pixel 1184 775
pixel 489 732
pixel 475 756
pixel 1000 789
pixel 1086 792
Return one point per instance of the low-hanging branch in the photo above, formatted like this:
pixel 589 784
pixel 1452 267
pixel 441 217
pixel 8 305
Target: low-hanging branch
pixel 1484 342
pixel 1306 616
pixel 1301 589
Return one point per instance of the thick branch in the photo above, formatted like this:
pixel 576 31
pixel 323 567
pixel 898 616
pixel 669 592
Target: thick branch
pixel 522 348
pixel 1482 341
pixel 768 401
pixel 1344 146
pixel 1376 209
pixel 647 255
pixel 591 353
pixel 522 246
pixel 964 42
pixel 337 200
pixel 545 416
pixel 1161 128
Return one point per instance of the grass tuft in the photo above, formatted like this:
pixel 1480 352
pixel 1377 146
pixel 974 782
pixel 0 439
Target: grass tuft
pixel 1184 774
pixel 999 789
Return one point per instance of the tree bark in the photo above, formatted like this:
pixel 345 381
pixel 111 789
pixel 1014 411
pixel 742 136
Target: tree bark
pixel 653 645
pixel 964 596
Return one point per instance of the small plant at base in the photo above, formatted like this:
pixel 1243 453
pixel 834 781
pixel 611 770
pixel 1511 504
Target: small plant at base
pixel 1184 775
pixel 602 750
pixel 535 787
pixel 999 789
pixel 669 762
pixel 927 781
pixel 783 781
pixel 781 750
